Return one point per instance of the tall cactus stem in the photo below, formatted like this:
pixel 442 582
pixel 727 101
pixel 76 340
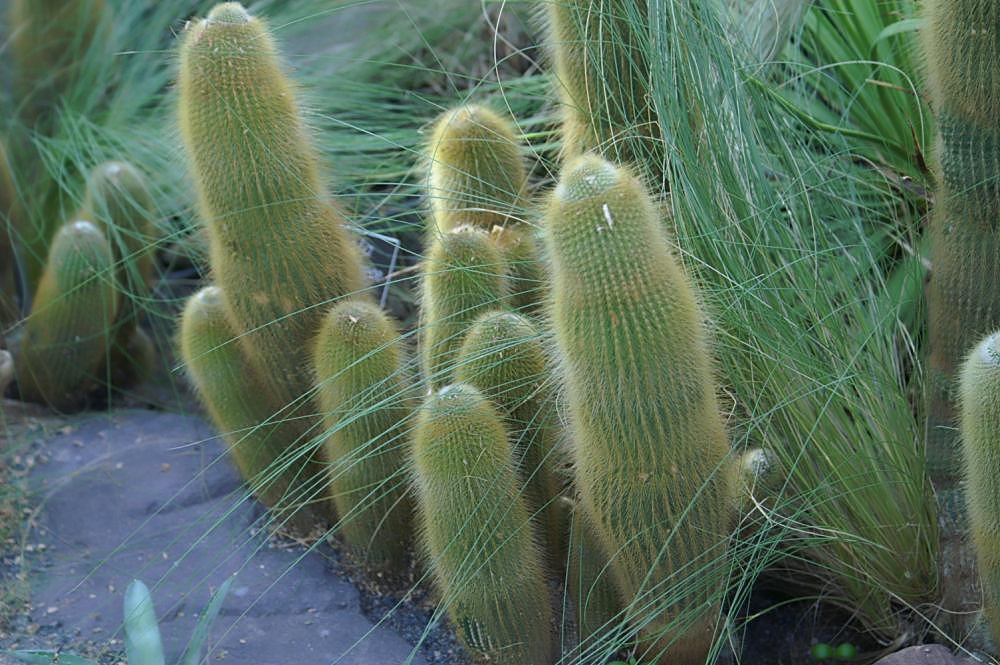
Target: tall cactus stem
pixel 280 248
pixel 650 448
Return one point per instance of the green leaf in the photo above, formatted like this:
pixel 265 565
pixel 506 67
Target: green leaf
pixel 143 645
pixel 46 657
pixel 192 654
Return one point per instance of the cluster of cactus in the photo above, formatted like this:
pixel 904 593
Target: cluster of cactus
pixel 265 343
pixel 633 501
pixel 319 396
pixel 83 284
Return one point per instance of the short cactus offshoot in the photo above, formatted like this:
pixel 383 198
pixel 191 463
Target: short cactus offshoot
pixel 477 174
pixel 240 405
pixel 477 530
pixel 119 202
pixel 68 333
pixel 503 357
pixel 649 445
pixel 979 402
pixel 463 276
pixel 363 392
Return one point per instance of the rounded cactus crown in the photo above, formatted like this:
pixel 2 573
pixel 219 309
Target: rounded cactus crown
pixel 229 13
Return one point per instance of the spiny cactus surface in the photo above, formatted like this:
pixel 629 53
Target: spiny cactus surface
pixel 592 587
pixel 650 449
pixel 503 357
pixel 280 249
pixel 463 276
pixel 66 337
pixel 119 202
pixel 601 74
pixel 245 412
pixel 363 394
pixel 477 174
pixel 526 279
pixel 961 45
pixel 477 530
pixel 980 427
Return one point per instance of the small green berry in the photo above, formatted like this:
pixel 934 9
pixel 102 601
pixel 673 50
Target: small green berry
pixel 822 651
pixel 846 651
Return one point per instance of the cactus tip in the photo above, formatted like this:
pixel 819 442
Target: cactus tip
pixel 229 13
pixel 83 227
pixel 586 176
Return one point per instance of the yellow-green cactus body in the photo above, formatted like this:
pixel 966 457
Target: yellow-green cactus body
pixel 119 202
pixel 649 445
pixel 602 77
pixel 477 531
pixel 363 393
pixel 591 585
pixel 463 276
pixel 280 249
pixel 979 401
pixel 503 357
pixel 962 47
pixel 67 335
pixel 477 174
pixel 526 281
pixel 242 408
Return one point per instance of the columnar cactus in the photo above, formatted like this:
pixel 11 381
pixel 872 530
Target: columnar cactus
pixel 67 335
pixel 979 401
pixel 961 49
pixel 503 357
pixel 962 55
pixel 363 393
pixel 477 531
pixel 119 202
pixel 463 276
pixel 239 402
pixel 601 75
pixel 477 174
pixel 280 249
pixel 591 585
pixel 650 448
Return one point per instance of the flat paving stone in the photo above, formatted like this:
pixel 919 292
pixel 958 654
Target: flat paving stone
pixel 152 496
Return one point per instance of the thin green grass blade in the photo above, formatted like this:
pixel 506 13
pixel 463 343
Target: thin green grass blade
pixel 192 654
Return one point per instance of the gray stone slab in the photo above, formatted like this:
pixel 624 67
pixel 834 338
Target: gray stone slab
pixel 152 496
pixel 931 654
